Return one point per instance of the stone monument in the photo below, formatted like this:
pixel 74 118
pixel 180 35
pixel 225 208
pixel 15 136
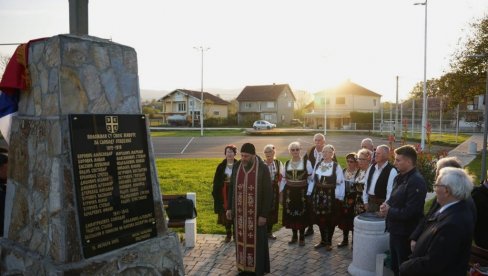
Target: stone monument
pixel 83 195
pixel 370 239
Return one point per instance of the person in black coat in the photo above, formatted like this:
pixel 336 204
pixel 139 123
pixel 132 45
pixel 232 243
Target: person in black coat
pixel 445 162
pixel 221 188
pixel 444 246
pixel 480 198
pixel 405 207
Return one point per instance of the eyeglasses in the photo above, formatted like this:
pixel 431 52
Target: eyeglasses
pixel 351 161
pixel 439 185
pixel 294 149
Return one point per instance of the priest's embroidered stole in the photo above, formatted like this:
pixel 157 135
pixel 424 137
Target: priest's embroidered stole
pixel 246 216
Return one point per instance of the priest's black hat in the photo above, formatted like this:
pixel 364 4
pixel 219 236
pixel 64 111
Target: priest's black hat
pixel 248 148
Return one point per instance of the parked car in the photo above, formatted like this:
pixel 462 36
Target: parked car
pixel 296 122
pixel 262 124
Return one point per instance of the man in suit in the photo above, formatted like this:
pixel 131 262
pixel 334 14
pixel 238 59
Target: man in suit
pixel 444 246
pixel 314 155
pixel 480 198
pixel 379 181
pixel 405 207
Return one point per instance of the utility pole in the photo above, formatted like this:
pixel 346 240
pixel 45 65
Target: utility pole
pixel 396 108
pixel 201 49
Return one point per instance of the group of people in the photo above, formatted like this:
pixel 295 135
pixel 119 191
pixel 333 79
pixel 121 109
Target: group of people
pixel 315 190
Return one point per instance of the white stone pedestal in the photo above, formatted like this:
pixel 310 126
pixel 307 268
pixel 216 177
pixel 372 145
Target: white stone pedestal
pixel 370 239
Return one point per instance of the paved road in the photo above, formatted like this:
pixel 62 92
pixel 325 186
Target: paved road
pixel 199 147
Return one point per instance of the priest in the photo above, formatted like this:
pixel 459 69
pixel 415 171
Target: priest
pixel 250 197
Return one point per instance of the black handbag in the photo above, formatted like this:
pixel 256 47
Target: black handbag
pixel 181 208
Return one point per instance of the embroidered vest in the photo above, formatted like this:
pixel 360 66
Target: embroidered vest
pixel 382 182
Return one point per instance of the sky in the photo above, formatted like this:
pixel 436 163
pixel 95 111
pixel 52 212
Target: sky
pixel 311 45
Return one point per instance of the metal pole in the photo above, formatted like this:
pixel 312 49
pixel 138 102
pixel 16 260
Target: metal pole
pixel 381 114
pixel 485 133
pixel 424 93
pixel 201 99
pixel 413 116
pixel 396 108
pixel 401 118
pixel 440 118
pixel 457 122
pixel 201 49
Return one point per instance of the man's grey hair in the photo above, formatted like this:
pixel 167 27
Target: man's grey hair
pixel 445 162
pixel 368 141
pixel 319 135
pixel 385 148
pixel 460 183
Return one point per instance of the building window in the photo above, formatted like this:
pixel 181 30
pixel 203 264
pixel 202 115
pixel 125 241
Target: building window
pixel 247 105
pixel 216 113
pixel 282 117
pixel 181 107
pixel 289 103
pixel 270 104
pixel 374 102
pixel 341 100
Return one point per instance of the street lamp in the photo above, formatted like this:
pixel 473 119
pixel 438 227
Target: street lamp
pixel 485 133
pixel 424 94
pixel 201 49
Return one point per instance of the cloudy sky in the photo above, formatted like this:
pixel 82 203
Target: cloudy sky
pixel 311 45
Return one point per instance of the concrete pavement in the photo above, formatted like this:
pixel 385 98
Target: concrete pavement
pixel 211 256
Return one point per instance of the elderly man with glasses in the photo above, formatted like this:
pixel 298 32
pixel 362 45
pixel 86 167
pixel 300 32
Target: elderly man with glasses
pixel 379 181
pixel 444 246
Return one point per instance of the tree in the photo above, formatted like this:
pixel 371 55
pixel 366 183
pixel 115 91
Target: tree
pixel 467 76
pixel 303 98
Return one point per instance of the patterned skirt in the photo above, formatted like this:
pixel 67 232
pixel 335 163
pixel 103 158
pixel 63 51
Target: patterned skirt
pixel 295 211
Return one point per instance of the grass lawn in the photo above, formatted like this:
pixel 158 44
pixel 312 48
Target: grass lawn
pixel 178 176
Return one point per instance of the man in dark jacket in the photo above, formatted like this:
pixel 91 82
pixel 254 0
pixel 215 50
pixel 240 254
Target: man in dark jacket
pixel 250 195
pixel 480 198
pixel 404 209
pixel 444 246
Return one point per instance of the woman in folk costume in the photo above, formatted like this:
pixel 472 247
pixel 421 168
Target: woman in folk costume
pixel 221 189
pixel 346 222
pixel 364 162
pixel 294 185
pixel 327 192
pixel 275 168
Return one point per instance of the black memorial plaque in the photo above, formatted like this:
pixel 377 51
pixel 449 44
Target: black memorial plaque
pixel 113 181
